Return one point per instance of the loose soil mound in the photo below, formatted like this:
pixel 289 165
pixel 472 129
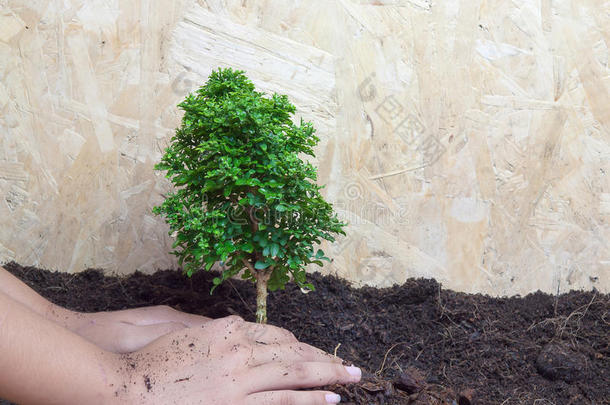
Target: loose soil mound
pixel 418 343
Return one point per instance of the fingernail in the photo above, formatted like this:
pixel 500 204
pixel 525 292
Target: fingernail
pixel 354 372
pixel 333 398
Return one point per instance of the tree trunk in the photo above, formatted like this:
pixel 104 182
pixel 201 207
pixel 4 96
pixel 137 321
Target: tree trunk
pixel 262 278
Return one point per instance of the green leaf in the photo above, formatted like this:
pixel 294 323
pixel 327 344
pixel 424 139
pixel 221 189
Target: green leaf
pixel 261 265
pixel 309 286
pixel 275 248
pixel 209 185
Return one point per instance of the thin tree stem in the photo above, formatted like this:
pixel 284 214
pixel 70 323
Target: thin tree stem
pixel 262 279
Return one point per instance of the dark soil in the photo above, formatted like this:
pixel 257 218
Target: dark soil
pixel 418 343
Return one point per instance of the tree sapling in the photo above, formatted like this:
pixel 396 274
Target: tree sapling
pixel 243 196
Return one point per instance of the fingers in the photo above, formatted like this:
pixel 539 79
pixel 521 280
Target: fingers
pixel 293 398
pixel 279 376
pixel 141 336
pixel 157 314
pixel 289 353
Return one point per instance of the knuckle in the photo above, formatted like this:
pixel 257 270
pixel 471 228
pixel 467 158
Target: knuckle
pixel 231 325
pixel 291 336
pixel 164 309
pixel 231 319
pixel 299 370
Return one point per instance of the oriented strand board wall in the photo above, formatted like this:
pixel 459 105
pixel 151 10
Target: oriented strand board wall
pixel 466 140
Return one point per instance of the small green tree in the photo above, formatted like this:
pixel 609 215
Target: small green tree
pixel 243 196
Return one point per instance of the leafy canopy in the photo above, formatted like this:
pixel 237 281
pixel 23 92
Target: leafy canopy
pixel 243 195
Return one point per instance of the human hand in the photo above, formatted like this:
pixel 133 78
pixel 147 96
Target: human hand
pixel 132 329
pixel 230 361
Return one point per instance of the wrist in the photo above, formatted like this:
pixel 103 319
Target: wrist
pixel 65 370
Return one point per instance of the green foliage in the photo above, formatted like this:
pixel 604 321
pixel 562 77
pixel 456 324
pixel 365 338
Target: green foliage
pixel 243 195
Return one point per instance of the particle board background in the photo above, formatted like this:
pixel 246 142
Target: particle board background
pixel 466 140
